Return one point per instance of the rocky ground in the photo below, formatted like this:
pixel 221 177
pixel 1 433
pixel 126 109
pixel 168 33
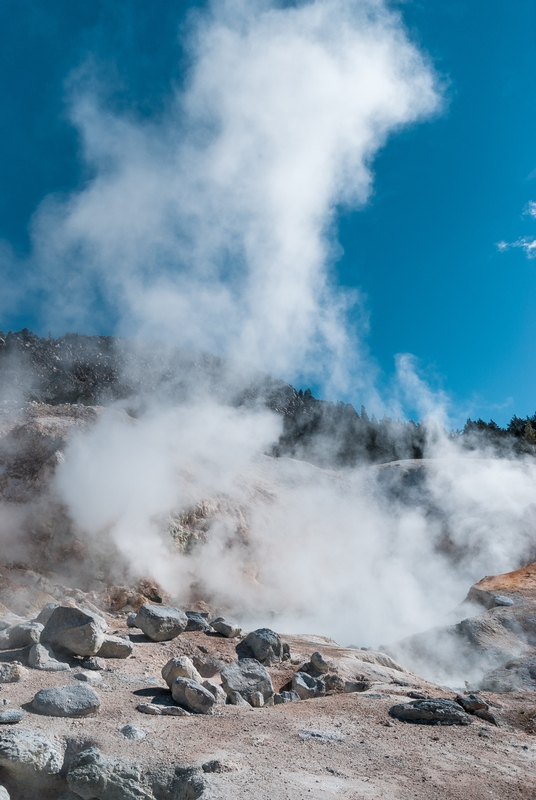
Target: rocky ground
pixel 343 744
pixel 358 725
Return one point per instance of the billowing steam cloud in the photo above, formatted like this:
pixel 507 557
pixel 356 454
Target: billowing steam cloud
pixel 214 228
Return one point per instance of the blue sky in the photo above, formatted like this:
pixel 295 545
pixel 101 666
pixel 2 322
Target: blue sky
pixel 423 250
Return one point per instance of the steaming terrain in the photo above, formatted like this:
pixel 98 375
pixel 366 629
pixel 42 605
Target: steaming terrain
pixel 409 683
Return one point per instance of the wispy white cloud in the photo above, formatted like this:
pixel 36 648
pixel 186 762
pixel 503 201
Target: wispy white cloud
pixel 525 243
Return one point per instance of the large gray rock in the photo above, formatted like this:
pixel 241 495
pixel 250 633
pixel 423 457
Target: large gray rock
pixel 115 647
pixel 67 701
pixel 431 712
pixel 263 644
pixel 208 665
pixel 307 687
pixel 192 696
pixel 93 776
pixel 246 677
pixel 471 703
pixel 12 673
pixel 26 755
pixel 22 635
pixel 517 675
pixel 216 691
pixel 180 667
pixel 161 623
pixel 319 663
pixel 73 630
pixel 41 656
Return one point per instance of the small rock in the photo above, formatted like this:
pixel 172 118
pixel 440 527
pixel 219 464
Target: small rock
pixel 333 683
pixel 236 699
pixel 487 716
pixel 94 663
pixel 263 644
pixel 88 677
pixel 208 665
pixel 133 733
pixel 41 656
pixel 471 702
pixel 256 699
pixel 66 701
pixel 321 736
pixel 226 628
pixel 416 695
pixel 174 711
pixel 149 708
pixel 10 717
pixel 389 724
pixel 115 647
pixel 192 696
pixel 356 686
pixel 307 686
pixel 286 697
pixel 22 635
pixel 131 621
pixel 161 623
pixel 319 663
pixel 246 677
pixel 46 612
pixel 13 672
pixel 196 622
pixel 216 765
pixel 431 712
pixel 219 695
pixel 180 667
pixel 73 630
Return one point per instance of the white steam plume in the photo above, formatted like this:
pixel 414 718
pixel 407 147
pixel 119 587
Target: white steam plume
pixel 213 227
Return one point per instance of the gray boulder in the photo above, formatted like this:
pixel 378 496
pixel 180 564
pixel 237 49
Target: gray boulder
pixel 517 675
pixel 471 703
pixel 180 667
pixel 94 776
pixel 26 755
pixel 192 696
pixel 216 691
pixel 431 712
pixel 115 647
pixel 196 622
pixel 67 701
pixel 307 687
pixel 131 620
pixel 11 716
pixel 208 665
pixel 12 672
pixel 356 686
pixel 263 644
pixel 227 629
pixel 73 630
pixel 319 663
pixel 41 656
pixel 22 635
pixel 236 699
pixel 161 623
pixel 286 697
pixel 256 699
pixel 46 612
pixel 246 677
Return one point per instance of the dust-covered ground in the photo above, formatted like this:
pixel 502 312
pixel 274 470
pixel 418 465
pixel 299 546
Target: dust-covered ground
pixel 343 745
